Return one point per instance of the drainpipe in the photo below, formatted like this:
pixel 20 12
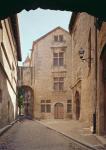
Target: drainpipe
pixel 95 104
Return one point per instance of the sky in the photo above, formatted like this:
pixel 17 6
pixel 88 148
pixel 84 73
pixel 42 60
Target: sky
pixel 35 23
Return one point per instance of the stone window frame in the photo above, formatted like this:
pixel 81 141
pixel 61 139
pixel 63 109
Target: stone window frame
pixel 45 106
pixel 69 106
pixel 58 58
pixel 58 83
pixel 59 38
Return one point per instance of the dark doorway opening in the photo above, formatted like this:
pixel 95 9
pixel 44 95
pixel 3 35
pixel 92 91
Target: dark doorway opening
pixel 77 102
pixel 104 86
pixel 27 94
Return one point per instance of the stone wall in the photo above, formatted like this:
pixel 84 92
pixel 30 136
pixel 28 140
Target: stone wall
pixel 83 72
pixel 101 47
pixel 8 74
pixel 44 72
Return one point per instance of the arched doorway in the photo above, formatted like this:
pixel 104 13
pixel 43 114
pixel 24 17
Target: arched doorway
pixel 58 111
pixel 77 105
pixel 27 94
pixel 103 103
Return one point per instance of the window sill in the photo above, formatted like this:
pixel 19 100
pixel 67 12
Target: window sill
pixel 59 91
pixel 58 66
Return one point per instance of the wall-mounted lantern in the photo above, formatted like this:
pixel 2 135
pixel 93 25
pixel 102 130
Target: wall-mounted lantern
pixel 81 54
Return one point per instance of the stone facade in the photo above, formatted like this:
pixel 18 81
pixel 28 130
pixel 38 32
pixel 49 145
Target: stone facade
pixel 25 85
pixel 24 76
pixel 50 100
pixel 101 79
pixel 88 76
pixel 9 56
pixel 83 72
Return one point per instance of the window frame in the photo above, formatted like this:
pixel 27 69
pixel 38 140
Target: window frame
pixel 69 106
pixel 45 104
pixel 59 38
pixel 59 83
pixel 58 59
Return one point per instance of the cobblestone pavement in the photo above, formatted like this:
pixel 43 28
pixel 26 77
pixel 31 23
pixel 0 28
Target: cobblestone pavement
pixel 30 135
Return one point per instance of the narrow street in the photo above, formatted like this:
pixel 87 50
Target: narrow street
pixel 31 135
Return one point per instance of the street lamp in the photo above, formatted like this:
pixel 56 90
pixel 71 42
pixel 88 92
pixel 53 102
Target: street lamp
pixel 81 54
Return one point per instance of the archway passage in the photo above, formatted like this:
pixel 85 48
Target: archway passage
pixel 77 104
pixel 27 94
pixel 96 8
pixel 104 86
pixel 58 111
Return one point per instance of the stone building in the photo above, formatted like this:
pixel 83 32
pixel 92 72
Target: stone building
pixel 88 70
pixel 10 53
pixel 101 77
pixel 51 79
pixel 82 30
pixel 25 86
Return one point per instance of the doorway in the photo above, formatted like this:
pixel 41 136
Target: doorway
pixel 77 104
pixel 58 111
pixel 104 87
pixel 8 111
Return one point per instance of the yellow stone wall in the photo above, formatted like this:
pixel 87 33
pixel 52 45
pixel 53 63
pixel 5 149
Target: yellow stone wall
pixel 8 73
pixel 44 72
pixel 83 76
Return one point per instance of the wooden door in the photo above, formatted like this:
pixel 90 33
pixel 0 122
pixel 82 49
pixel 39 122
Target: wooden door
pixel 59 111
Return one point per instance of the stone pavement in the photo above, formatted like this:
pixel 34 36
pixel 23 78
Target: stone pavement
pixel 75 130
pixel 31 135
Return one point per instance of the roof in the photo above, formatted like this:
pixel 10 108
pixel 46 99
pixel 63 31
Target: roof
pixel 36 41
pixel 27 59
pixel 93 7
pixel 15 28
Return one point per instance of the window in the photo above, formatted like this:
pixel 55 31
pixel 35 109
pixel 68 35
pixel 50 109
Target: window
pixel 42 108
pixel 58 83
pixel 46 106
pixel 58 59
pixel 61 38
pixel 0 96
pixel 58 38
pixel 61 59
pixel 48 101
pixel 69 106
pixel 42 101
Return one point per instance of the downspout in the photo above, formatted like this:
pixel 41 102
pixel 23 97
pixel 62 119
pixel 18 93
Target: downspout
pixel 95 104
